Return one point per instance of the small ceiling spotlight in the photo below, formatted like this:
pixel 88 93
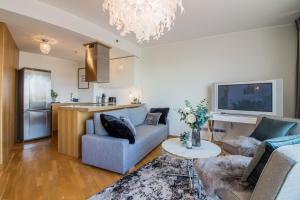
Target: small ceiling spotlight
pixel 45 43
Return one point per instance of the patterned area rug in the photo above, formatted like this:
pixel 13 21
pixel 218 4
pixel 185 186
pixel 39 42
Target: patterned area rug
pixel 151 182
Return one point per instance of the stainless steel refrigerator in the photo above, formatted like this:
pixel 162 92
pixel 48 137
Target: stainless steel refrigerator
pixel 34 104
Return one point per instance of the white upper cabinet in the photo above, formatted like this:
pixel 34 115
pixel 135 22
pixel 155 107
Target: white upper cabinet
pixel 122 72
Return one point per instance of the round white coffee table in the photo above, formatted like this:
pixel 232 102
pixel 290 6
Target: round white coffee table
pixel 175 148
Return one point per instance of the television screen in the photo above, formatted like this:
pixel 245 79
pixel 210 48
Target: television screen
pixel 246 97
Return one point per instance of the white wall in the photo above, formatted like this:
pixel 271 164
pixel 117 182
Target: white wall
pixel 185 70
pixel 63 72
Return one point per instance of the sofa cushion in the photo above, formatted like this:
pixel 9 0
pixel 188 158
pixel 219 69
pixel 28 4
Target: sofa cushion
pixel 117 128
pixel 271 128
pixel 144 131
pixel 146 139
pixel 270 146
pixel 147 133
pixel 138 115
pixel 164 114
pixel 99 130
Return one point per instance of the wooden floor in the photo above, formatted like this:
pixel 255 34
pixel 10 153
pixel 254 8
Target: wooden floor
pixel 37 171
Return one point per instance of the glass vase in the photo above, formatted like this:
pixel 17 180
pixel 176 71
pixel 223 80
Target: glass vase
pixel 196 138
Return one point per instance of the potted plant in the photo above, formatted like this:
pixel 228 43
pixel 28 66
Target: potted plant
pixel 54 95
pixel 195 118
pixel 184 137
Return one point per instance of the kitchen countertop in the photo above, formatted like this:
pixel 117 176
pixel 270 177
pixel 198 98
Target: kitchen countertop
pixel 71 103
pixel 97 107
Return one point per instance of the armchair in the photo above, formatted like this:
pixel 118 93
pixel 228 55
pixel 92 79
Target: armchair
pixel 247 146
pixel 221 176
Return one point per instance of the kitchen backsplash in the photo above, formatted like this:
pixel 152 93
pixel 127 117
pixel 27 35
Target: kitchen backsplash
pixel 123 95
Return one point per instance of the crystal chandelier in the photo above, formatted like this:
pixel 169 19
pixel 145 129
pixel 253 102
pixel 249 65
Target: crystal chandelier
pixel 146 18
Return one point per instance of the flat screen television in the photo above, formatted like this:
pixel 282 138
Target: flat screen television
pixel 252 98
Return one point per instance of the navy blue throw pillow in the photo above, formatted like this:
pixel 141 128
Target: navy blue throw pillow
pixel 271 145
pixel 271 128
pixel 164 114
pixel 115 127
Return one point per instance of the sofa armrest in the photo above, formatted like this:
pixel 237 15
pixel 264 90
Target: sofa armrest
pixel 90 127
pixel 168 125
pixel 280 176
pixel 105 152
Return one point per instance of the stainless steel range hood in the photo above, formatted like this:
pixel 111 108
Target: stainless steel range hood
pixel 97 62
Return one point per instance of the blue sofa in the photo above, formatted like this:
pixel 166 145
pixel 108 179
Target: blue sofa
pixel 116 154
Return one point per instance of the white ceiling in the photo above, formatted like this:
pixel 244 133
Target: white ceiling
pixel 69 46
pixel 201 17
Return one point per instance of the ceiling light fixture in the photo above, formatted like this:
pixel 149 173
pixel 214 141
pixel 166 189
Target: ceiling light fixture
pixel 145 18
pixel 45 47
pixel 45 43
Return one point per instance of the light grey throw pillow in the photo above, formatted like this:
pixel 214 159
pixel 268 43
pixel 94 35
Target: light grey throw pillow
pixel 129 124
pixel 152 118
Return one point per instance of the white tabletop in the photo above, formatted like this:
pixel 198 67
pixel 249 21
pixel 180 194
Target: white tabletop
pixel 206 150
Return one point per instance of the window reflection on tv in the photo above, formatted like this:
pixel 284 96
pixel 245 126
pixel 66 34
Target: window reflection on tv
pixel 247 97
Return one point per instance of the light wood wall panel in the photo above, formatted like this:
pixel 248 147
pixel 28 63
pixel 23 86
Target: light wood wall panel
pixel 71 126
pixel 9 62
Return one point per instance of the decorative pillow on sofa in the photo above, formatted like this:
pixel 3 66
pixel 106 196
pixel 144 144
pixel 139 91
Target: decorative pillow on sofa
pixel 152 118
pixel 129 124
pixel 257 164
pixel 164 114
pixel 271 128
pixel 117 128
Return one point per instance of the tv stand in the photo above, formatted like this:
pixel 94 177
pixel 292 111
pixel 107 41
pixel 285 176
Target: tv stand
pixel 234 118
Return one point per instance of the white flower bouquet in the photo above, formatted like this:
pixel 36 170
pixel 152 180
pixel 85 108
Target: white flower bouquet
pixel 195 118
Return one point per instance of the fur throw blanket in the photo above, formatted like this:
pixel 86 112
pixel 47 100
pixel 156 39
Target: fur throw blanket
pixel 246 146
pixel 222 172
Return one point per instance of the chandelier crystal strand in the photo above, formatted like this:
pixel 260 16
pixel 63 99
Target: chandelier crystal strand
pixel 145 18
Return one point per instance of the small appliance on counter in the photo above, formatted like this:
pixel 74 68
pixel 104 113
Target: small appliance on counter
pixel 136 100
pixel 76 100
pixel 112 100
pixel 103 98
